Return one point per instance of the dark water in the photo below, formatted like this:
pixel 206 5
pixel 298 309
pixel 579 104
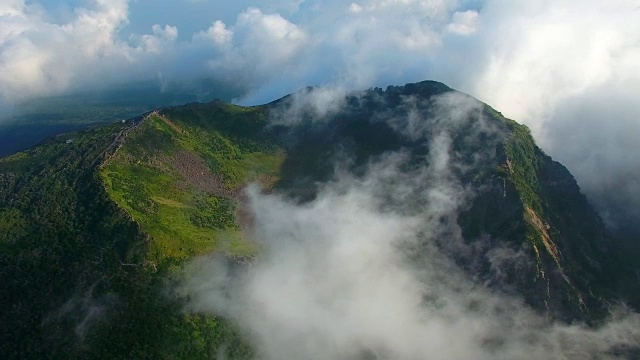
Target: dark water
pixel 15 138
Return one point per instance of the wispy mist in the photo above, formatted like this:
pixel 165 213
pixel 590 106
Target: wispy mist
pixel 366 269
pixel 335 280
pixel 80 313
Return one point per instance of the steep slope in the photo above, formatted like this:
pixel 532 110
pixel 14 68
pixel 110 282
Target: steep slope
pixel 180 177
pixel 81 278
pixel 96 225
pixel 520 199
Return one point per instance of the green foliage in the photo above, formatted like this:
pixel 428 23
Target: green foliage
pixel 178 178
pixel 243 126
pixel 91 239
pixel 523 164
pixel 77 279
pixel 523 161
pixel 213 212
pixel 13 226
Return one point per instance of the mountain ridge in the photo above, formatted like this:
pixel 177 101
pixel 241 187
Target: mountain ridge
pixel 174 178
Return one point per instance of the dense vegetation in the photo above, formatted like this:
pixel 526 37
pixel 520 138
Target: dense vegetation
pixel 180 179
pixel 78 276
pixel 95 226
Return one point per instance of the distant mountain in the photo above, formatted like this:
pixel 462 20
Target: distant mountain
pixel 35 120
pixel 96 225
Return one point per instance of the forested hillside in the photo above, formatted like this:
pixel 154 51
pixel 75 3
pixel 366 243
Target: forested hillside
pixel 96 226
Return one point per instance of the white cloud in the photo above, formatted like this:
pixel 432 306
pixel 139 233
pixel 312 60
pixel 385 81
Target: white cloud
pixel 272 35
pixel 39 58
pixel 536 61
pixel 218 32
pixel 464 22
pixel 12 7
pixel 545 54
pixel 545 64
pixel 319 102
pixel 161 38
pixel 257 48
pixel 355 8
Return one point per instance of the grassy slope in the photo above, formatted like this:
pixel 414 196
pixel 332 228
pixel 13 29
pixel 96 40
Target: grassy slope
pixel 181 179
pixel 66 248
pixel 521 169
pixel 562 227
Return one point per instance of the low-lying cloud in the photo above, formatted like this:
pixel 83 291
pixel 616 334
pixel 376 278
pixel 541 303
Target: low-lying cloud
pixel 365 270
pixel 335 280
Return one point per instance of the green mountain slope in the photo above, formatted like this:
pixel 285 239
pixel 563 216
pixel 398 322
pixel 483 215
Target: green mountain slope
pixel 81 278
pixel 96 225
pixel 181 180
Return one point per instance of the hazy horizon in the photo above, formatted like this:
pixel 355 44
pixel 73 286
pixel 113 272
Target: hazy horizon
pixel 570 69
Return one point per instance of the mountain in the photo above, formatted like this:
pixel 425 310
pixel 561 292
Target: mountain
pixel 98 226
pixel 32 121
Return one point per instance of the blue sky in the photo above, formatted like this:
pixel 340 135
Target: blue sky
pixel 189 16
pixel 569 69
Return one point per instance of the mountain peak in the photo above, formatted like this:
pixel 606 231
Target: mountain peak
pixel 442 194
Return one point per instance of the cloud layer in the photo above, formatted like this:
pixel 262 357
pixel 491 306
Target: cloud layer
pixel 334 283
pixel 364 271
pixel 569 69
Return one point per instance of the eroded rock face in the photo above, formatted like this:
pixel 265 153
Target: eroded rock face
pixel 556 272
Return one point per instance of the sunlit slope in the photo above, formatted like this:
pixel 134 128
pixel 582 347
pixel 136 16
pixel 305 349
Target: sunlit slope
pixel 77 277
pixel 107 218
pixel 181 172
